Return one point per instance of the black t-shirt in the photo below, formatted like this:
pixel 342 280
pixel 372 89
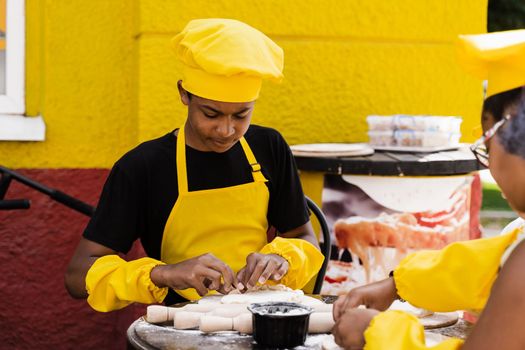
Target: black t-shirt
pixel 141 189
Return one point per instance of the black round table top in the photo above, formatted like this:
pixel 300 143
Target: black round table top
pixel 385 163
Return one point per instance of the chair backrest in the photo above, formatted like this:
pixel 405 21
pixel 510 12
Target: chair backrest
pixel 325 247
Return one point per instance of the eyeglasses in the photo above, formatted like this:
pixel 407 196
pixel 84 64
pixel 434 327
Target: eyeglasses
pixel 479 148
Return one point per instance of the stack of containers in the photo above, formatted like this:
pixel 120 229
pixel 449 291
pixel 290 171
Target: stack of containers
pixel 413 131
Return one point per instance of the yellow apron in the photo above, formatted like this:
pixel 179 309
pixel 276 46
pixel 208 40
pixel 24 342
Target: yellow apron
pixel 228 222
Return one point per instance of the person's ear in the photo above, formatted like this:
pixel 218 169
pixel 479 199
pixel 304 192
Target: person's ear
pixel 185 99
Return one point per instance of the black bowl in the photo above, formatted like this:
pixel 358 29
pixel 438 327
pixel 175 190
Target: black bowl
pixel 280 324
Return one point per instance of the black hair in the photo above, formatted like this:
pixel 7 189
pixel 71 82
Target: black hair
pixel 496 104
pixel 512 136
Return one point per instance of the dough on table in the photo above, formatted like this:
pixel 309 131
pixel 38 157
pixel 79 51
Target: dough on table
pixel 408 308
pixel 263 294
pixel 427 318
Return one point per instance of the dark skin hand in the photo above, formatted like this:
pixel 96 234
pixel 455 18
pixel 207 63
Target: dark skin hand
pixel 262 267
pixel 349 329
pixel 204 273
pixel 378 295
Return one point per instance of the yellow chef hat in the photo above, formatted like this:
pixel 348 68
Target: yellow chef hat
pixel 498 57
pixel 226 60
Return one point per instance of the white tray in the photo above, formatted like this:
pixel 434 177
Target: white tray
pixel 415 149
pixel 332 149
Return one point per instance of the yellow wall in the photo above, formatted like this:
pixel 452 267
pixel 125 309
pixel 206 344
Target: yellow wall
pixel 102 75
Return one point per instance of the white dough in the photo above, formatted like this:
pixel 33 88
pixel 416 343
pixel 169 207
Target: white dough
pixel 408 308
pixel 310 301
pixel 159 313
pixel 207 307
pixel 187 320
pixel 264 296
pixel 322 307
pixel 243 323
pixel 321 322
pixel 215 323
pixel 230 310
pixel 329 344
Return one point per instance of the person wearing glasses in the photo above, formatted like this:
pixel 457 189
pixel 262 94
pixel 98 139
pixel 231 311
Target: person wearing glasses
pixel 484 275
pixel 202 197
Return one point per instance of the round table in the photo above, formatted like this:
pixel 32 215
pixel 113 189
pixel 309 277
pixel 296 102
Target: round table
pixel 145 336
pixel 385 163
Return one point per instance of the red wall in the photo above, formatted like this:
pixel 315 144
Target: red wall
pixel 35 247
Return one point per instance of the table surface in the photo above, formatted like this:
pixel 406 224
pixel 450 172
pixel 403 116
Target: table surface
pixel 146 336
pixel 385 163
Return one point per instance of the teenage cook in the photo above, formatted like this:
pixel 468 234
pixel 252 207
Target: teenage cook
pixel 483 274
pixel 202 197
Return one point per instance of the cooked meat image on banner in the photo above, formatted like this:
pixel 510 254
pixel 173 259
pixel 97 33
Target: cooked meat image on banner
pixel 375 221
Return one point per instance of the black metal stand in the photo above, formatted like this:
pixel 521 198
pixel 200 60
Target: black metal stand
pixel 61 197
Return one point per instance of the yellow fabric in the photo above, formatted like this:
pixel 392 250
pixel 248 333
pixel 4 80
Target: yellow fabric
pixel 497 57
pixel 228 222
pixel 397 330
pixel 226 60
pixel 113 283
pixel 305 260
pixel 458 277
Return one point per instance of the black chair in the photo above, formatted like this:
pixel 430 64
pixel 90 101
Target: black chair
pixel 326 246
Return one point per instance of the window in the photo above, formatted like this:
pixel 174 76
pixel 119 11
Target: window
pixel 13 124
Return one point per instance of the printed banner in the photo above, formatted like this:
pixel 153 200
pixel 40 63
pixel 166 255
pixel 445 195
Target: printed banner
pixel 376 221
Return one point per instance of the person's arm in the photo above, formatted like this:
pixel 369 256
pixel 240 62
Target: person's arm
pixel 458 277
pixel 107 281
pixel 85 255
pixel 500 325
pixel 305 232
pixel 110 283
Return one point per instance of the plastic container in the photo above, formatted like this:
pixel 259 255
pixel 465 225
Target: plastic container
pixel 425 138
pixel 381 138
pixel 380 122
pixel 414 122
pixel 280 324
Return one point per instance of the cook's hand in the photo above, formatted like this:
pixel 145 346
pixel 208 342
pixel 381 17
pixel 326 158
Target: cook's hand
pixel 378 295
pixel 260 268
pixel 349 329
pixel 204 272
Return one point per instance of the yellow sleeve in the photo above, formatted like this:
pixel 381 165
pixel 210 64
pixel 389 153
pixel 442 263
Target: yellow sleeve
pixel 397 330
pixel 458 277
pixel 113 283
pixel 304 258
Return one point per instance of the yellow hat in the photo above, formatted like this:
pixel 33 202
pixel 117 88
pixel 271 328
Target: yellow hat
pixel 226 60
pixel 498 57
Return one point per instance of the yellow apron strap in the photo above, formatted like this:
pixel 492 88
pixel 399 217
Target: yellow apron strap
pixel 256 167
pixel 182 176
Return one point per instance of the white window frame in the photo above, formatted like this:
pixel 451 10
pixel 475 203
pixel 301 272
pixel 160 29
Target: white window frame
pixel 14 126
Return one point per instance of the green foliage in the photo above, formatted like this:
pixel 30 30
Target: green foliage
pixel 506 15
pixel 492 199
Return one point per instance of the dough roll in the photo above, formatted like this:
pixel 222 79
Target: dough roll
pixel 187 319
pixel 215 323
pixel 321 322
